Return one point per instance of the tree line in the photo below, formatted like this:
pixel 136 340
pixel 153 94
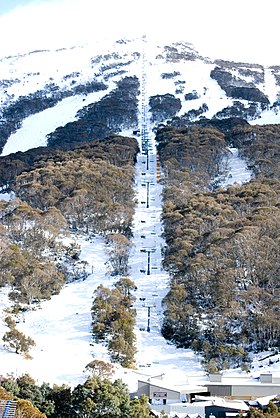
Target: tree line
pixel 222 253
pixel 92 185
pixel 116 111
pixel 97 397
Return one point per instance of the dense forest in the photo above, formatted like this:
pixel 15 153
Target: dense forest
pixel 85 189
pixel 222 245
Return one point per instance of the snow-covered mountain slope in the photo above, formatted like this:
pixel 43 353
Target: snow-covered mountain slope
pixel 44 90
pixel 61 327
pixel 55 84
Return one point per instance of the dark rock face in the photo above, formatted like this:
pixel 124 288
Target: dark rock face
pixel 118 110
pixel 164 107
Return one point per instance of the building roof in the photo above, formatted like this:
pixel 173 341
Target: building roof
pixel 184 389
pixel 221 402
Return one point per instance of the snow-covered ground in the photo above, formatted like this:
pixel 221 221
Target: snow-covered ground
pixel 31 72
pixel 237 171
pixel 61 327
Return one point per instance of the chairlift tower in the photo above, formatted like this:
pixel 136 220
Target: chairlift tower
pixel 148 251
pixel 147 184
pixel 149 307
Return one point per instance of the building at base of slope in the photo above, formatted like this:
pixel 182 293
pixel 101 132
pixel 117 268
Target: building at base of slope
pixel 203 402
pixel 161 392
pixel 214 408
pixel 245 388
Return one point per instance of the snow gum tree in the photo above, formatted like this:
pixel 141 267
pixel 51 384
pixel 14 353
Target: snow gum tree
pixel 26 409
pixel 113 320
pixel 118 248
pixel 16 340
pixel 101 398
pixel 100 368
